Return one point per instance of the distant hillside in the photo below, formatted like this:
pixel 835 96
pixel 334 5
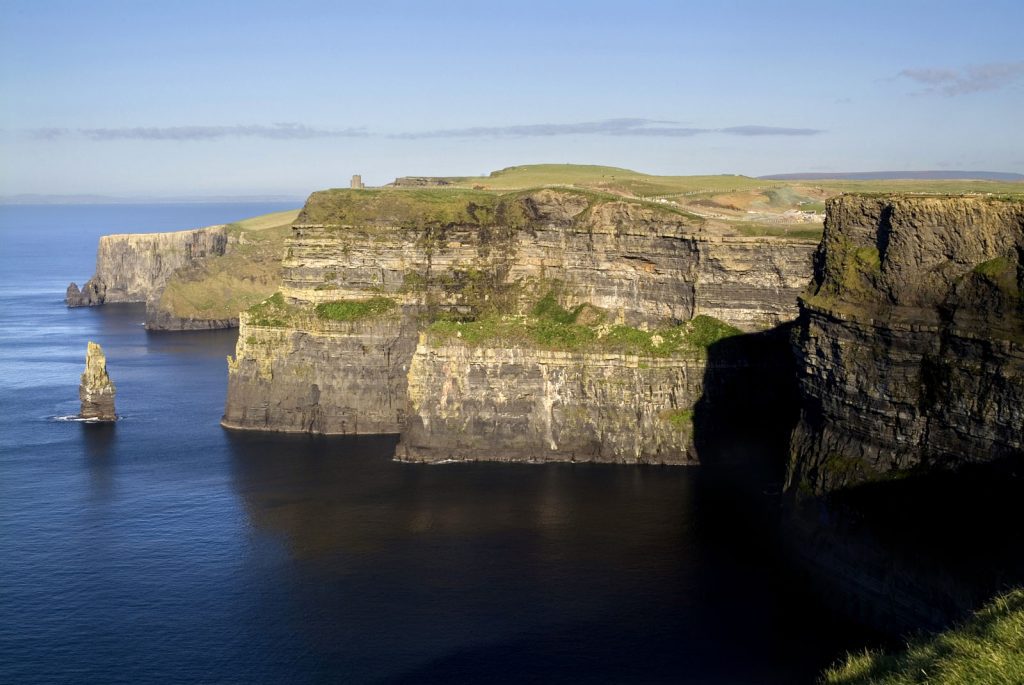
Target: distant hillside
pixel 900 175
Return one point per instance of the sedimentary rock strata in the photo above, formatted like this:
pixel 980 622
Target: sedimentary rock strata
pixel 96 391
pixel 611 267
pixel 133 267
pixel 911 340
pixel 521 404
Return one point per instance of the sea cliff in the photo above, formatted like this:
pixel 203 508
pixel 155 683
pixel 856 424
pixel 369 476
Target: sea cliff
pixel 911 340
pixel 905 463
pixel 132 267
pixel 190 280
pixel 533 325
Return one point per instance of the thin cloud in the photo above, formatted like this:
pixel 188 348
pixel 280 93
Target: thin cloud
pixel 976 78
pixel 605 127
pixel 649 128
pixel 279 131
pixel 48 133
pixel 769 131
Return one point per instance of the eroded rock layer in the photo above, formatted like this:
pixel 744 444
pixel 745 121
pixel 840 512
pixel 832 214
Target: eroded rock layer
pixel 96 391
pixel 911 340
pixel 641 263
pixel 525 388
pixel 514 404
pixel 321 377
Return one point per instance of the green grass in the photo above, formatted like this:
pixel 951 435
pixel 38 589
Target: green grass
pixel 939 187
pixel 272 312
pixel 1002 273
pixel 988 649
pixel 428 208
pixel 680 419
pixel 353 310
pixel 626 181
pixel 606 178
pixel 794 231
pixel 550 326
pixel 218 288
pixel 399 207
pixel 268 221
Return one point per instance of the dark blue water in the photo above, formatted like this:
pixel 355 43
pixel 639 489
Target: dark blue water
pixel 166 549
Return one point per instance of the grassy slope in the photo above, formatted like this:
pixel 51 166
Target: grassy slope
pixel 988 649
pixel 646 185
pixel 221 287
pixel 606 178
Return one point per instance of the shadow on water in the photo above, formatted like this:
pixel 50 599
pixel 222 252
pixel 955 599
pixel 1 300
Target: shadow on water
pixel 742 428
pixel 487 572
pixel 923 551
pixel 98 439
pixel 743 421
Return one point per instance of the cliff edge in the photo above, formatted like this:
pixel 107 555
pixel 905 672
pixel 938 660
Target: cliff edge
pixel 530 325
pixel 911 340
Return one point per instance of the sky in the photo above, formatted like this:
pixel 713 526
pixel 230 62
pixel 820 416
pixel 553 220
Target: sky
pixel 155 99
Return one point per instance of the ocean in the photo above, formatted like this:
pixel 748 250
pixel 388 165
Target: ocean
pixel 167 549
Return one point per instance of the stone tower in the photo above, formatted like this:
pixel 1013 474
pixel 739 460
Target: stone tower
pixel 357 182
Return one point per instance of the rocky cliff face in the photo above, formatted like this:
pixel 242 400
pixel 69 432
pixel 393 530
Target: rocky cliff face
pixel 587 382
pixel 96 391
pixel 911 342
pixel 320 376
pixel 516 404
pixel 641 263
pixel 135 267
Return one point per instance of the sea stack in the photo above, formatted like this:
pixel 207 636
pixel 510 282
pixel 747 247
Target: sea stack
pixel 96 391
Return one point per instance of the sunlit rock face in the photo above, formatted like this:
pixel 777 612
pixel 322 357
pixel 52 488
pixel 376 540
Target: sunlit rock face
pixel 911 340
pixel 96 391
pixel 467 254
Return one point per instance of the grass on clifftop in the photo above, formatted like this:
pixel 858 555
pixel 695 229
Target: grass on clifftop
pixel 988 649
pixel 605 178
pixel 218 288
pixel 806 232
pixel 427 208
pixel 275 312
pixel 550 326
pixel 390 207
pixel 627 181
pixel 352 310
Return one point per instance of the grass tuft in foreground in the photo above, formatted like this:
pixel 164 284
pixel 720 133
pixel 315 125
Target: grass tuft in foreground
pixel 988 649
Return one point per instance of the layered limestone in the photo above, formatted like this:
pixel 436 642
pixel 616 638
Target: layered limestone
pixel 521 404
pixel 311 375
pixel 96 391
pixel 134 267
pixel 642 263
pixel 751 283
pixel 911 340
pixel 629 267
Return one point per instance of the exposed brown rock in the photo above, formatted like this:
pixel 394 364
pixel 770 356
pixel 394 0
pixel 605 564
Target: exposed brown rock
pixel 630 262
pixel 96 391
pixel 911 341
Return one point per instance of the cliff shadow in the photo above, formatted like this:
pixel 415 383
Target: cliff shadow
pixel 750 405
pixel 917 552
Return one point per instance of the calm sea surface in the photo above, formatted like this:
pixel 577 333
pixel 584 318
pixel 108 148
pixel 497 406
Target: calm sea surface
pixel 166 549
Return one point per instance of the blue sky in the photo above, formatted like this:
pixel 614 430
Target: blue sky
pixel 171 98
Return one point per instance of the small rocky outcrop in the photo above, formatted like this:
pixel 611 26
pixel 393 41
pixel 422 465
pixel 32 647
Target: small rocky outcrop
pixel 96 391
pixel 92 294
